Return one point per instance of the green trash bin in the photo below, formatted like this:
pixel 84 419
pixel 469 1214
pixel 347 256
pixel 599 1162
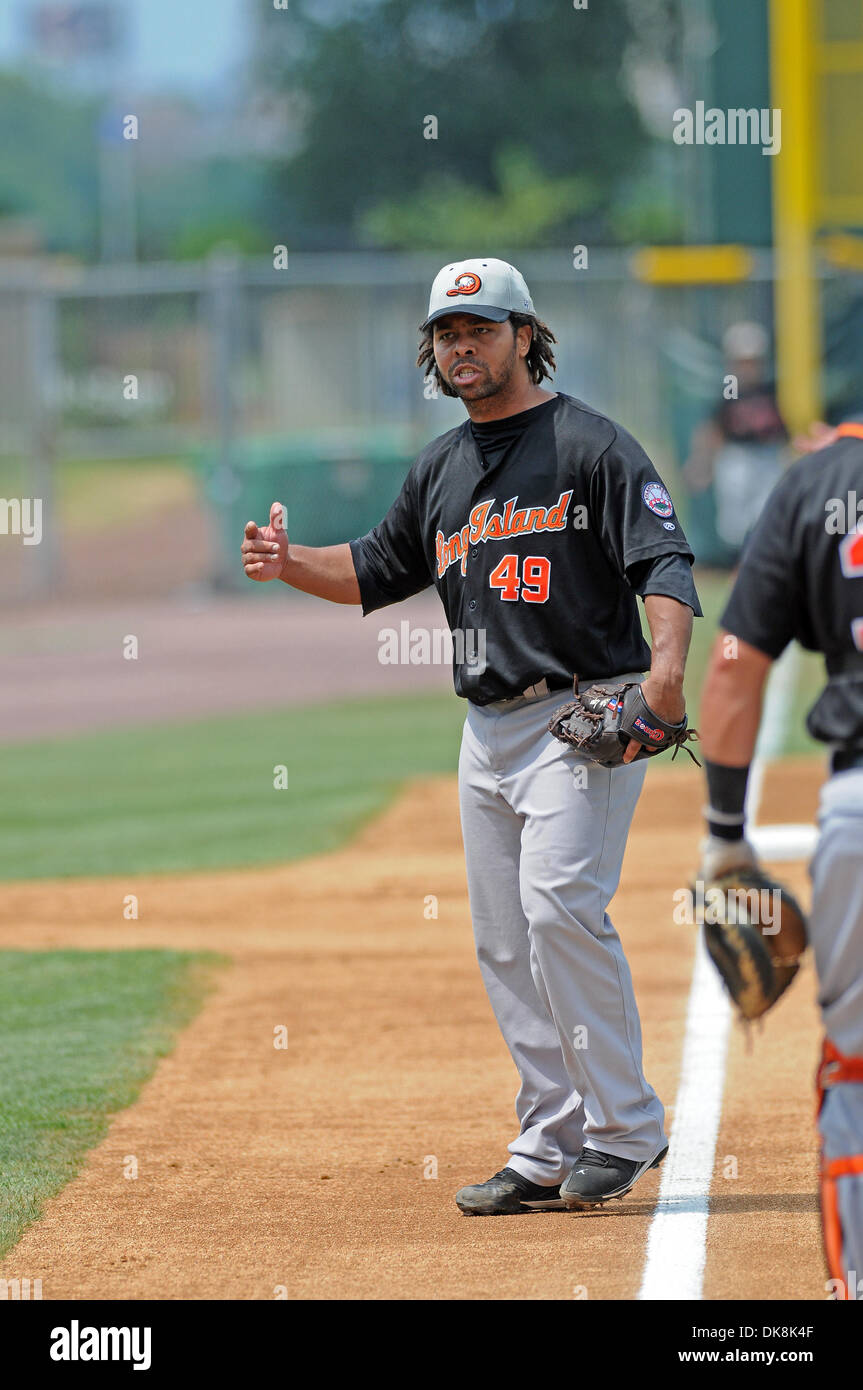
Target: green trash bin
pixel 336 484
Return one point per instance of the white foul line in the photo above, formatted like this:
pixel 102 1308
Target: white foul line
pixel 676 1243
pixel 677 1239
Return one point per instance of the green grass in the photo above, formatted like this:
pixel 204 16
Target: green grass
pixel 80 1033
pixel 106 492
pixel 201 795
pixel 174 797
pixel 11 477
pixel 110 492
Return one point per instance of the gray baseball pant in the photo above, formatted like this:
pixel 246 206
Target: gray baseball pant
pixel 544 833
pixel 837 941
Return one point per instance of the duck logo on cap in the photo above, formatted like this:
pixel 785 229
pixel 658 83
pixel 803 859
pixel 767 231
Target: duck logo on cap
pixel 466 283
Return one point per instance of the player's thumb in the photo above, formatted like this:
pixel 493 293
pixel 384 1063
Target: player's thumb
pixel 251 531
pixel 279 517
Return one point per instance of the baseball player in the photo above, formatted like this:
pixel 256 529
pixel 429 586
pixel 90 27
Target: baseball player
pixel 538 520
pixel 740 450
pixel 801 577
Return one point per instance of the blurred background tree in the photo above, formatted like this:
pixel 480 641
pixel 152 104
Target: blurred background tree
pixel 552 125
pixel 537 124
pixel 524 207
pixel 49 162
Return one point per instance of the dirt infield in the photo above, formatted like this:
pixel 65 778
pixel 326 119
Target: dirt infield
pixel 327 1169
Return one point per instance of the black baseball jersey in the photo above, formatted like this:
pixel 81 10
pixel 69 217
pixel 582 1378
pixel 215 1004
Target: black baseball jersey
pixel 801 575
pixel 536 548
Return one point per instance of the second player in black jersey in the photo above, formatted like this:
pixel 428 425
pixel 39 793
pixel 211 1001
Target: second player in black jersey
pixel 801 576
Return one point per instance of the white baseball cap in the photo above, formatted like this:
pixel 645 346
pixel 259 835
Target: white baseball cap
pixel 488 288
pixel 745 341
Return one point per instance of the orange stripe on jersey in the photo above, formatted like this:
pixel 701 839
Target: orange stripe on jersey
pixel 832 1168
pixel 850 430
pixel 836 1068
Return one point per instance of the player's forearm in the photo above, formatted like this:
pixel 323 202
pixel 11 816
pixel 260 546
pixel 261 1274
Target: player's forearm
pixel 731 702
pixel 670 631
pixel 326 571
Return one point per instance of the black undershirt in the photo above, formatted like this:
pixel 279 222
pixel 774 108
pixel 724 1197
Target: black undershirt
pixel 494 437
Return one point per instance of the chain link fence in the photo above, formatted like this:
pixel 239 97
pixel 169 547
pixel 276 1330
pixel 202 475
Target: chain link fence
pixel 299 383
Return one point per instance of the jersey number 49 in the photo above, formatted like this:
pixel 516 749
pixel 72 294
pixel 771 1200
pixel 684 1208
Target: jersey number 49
pixel 531 585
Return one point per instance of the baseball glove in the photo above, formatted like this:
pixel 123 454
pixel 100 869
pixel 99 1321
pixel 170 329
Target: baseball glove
pixel 754 928
pixel 600 723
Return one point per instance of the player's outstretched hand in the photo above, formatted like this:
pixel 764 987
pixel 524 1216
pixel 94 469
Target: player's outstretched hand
pixel 265 548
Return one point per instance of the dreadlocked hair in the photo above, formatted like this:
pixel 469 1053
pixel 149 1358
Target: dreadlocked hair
pixel 540 357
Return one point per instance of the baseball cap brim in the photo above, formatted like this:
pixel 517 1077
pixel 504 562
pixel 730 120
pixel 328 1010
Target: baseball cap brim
pixel 482 311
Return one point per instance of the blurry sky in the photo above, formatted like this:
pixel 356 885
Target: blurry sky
pixel 186 43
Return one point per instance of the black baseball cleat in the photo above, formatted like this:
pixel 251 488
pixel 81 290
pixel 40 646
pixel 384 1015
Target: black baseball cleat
pixel 597 1177
pixel 506 1194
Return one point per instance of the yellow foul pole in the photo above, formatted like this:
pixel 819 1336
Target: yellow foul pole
pixel 797 307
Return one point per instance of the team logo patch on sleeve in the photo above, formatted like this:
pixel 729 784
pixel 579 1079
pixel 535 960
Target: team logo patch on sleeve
pixel 656 498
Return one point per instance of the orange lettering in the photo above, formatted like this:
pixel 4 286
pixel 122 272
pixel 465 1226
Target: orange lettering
pixel 556 519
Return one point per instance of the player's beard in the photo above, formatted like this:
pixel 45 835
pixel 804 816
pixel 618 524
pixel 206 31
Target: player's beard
pixel 488 384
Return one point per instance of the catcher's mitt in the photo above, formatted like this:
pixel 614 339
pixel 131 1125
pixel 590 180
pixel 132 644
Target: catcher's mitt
pixel 755 933
pixel 600 723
